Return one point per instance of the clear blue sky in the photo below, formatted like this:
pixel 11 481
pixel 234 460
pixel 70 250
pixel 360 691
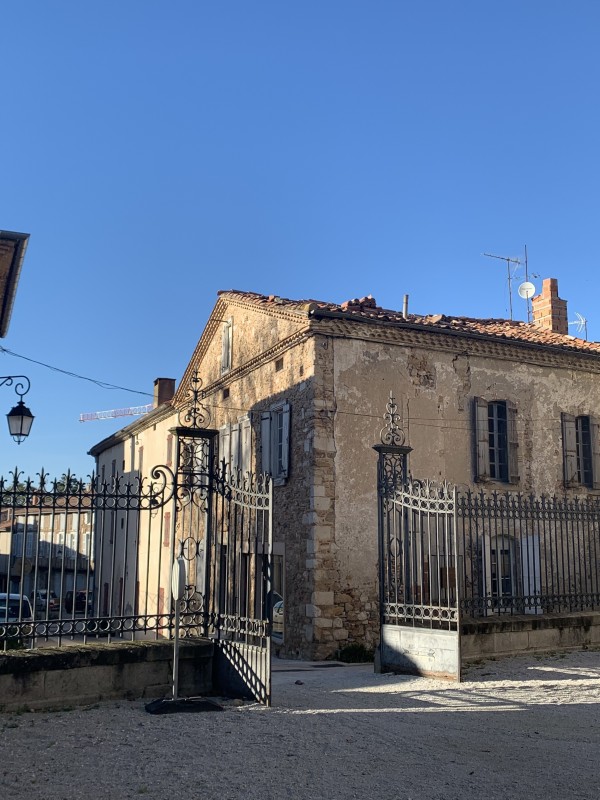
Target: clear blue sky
pixel 159 151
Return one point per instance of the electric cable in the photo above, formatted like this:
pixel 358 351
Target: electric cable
pixel 101 384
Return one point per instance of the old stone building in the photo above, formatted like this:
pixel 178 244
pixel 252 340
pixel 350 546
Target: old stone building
pixel 298 389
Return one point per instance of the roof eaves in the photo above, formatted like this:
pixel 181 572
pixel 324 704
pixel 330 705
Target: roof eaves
pixel 444 330
pixel 12 279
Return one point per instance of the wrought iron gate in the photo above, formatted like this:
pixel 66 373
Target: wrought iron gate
pixel 83 560
pixel 417 564
pixel 223 529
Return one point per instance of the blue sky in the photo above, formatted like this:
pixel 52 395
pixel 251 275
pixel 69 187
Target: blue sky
pixel 160 151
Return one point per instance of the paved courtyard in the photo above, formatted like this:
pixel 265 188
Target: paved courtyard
pixel 519 728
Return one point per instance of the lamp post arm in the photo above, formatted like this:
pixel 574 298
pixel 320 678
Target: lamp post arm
pixel 21 383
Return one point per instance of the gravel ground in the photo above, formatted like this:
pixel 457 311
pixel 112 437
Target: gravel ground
pixel 520 728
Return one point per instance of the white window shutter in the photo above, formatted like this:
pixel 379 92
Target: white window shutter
pixel 265 442
pixel 482 439
pixel 513 442
pixel 569 438
pixel 224 440
pixel 226 346
pixel 285 444
pixel 245 445
pixel 235 448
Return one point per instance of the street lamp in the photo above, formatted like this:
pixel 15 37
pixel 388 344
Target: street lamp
pixel 20 417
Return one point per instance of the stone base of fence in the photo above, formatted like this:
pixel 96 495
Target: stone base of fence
pixel 64 677
pixel 499 636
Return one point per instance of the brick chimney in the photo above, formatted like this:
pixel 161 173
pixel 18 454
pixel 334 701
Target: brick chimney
pixel 549 311
pixel 164 389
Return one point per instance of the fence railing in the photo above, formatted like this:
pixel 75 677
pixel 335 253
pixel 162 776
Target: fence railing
pixel 523 554
pixel 446 555
pixel 70 559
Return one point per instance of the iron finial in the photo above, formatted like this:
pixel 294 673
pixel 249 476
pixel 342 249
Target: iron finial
pixel 392 433
pixel 194 414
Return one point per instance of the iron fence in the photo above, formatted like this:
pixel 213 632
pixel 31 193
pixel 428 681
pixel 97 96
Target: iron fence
pixel 447 555
pixel 526 554
pixel 70 558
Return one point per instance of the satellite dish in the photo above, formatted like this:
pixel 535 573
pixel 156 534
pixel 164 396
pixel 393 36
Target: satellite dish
pixel 526 290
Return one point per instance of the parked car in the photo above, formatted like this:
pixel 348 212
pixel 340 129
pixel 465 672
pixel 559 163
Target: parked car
pixel 81 606
pixel 19 608
pixel 45 601
pixel 15 608
pixel 278 617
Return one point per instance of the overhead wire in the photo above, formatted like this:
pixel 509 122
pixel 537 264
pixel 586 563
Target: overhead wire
pixel 101 384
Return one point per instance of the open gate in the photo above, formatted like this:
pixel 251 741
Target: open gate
pixel 417 564
pixel 223 529
pixel 80 561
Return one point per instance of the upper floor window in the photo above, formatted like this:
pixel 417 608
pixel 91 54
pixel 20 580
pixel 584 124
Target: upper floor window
pixel 226 345
pixel 496 440
pixel 275 442
pixel 580 440
pixel 235 442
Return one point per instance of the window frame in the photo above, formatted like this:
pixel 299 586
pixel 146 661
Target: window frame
pixel 226 345
pixel 577 451
pixel 235 445
pixel 488 441
pixel 275 442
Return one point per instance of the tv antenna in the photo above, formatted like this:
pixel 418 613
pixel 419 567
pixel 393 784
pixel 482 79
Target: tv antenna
pixel 581 323
pixel 527 287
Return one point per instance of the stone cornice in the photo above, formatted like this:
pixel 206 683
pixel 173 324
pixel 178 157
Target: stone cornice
pixel 458 342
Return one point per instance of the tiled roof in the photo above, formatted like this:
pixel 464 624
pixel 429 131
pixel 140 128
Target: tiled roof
pixel 366 309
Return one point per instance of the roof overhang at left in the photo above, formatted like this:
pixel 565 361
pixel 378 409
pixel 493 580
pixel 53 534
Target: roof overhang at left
pixel 12 253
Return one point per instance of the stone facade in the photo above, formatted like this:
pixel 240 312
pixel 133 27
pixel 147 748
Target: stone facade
pixel 335 366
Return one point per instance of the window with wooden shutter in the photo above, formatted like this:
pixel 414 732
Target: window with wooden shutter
pixel 496 440
pixel 569 450
pixel 235 445
pixel 224 452
pixel 275 442
pixel 245 445
pixel 482 456
pixel 581 451
pixel 512 442
pixel 226 346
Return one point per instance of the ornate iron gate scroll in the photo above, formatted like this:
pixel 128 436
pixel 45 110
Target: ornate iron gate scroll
pixel 417 564
pixel 223 528
pixel 95 558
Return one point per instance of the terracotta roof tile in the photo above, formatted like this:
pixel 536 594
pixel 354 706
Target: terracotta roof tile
pixel 366 309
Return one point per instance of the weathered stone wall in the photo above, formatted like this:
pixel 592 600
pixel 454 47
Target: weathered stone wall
pixel 434 390
pixel 62 677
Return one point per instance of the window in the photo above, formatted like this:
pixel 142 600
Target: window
pixel 235 445
pixel 580 459
pixel 510 574
pixel 496 440
pixel 226 344
pixel 275 442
